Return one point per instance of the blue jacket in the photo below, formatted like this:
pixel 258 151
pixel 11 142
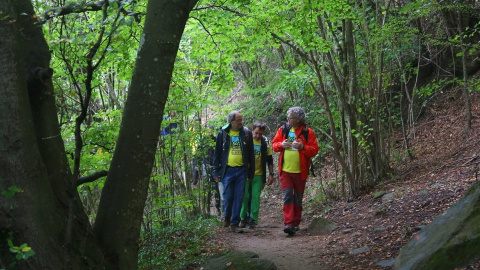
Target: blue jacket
pixel 222 148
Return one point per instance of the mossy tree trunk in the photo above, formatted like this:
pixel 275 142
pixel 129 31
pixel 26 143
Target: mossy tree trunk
pixel 39 205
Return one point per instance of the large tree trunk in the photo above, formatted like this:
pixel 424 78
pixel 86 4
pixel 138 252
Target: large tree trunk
pixel 117 226
pixel 44 212
pixel 39 205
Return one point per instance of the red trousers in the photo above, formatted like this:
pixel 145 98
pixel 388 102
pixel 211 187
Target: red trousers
pixel 293 187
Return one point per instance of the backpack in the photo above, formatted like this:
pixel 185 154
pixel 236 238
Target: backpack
pixel 247 134
pixel 286 129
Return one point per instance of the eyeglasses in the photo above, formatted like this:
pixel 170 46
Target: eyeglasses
pixel 238 120
pixel 291 118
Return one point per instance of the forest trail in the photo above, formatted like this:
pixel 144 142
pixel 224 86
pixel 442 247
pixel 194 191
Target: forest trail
pixel 270 242
pixel 371 231
pixel 287 252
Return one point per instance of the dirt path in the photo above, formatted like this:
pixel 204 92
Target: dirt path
pixel 270 242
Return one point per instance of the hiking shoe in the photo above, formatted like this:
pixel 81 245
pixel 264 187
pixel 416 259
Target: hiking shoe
pixel 226 222
pixel 296 228
pixel 233 228
pixel 242 224
pixel 289 230
pixel 252 225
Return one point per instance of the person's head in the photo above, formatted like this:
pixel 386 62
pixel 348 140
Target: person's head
pixel 296 116
pixel 211 130
pixel 257 130
pixel 235 119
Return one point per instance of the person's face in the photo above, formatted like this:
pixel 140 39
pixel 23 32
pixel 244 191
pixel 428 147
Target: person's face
pixel 257 134
pixel 293 121
pixel 237 123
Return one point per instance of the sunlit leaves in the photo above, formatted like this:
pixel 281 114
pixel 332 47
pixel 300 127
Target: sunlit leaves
pixel 21 252
pixel 11 191
pixel 71 38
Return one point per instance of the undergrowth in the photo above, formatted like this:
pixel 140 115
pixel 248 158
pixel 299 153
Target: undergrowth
pixel 182 246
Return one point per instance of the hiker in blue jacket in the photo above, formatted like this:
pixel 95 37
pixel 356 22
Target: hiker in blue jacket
pixel 233 163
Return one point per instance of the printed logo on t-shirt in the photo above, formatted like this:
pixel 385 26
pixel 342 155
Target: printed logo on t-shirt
pixel 257 149
pixel 291 136
pixel 236 146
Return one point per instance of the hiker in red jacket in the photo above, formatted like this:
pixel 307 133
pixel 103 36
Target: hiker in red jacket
pixel 297 145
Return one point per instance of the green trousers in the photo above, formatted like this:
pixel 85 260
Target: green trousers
pixel 251 199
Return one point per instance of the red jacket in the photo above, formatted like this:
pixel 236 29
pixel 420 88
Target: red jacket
pixel 306 154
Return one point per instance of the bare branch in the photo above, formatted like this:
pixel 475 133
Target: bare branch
pixel 72 8
pixel 293 46
pixel 220 7
pixel 91 177
pixel 83 7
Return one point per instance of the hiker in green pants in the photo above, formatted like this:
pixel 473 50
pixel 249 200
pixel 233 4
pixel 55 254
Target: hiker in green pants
pixel 263 157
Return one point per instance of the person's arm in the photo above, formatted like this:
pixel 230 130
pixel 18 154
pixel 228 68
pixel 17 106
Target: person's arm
pixel 269 161
pixel 310 149
pixel 277 141
pixel 271 174
pixel 269 158
pixel 251 156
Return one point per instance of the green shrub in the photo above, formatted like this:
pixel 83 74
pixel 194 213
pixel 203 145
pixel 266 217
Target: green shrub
pixel 177 247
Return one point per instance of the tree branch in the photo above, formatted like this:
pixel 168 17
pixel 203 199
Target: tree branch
pixel 293 46
pixel 225 8
pixel 91 177
pixel 84 7
pixel 72 8
pixel 206 30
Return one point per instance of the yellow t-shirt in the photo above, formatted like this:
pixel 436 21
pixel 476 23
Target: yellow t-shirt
pixel 257 148
pixel 291 158
pixel 235 153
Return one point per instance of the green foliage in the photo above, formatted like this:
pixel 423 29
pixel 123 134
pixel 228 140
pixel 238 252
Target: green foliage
pixel 71 39
pixel 315 195
pixel 99 139
pixel 474 85
pixel 249 55
pixel 397 156
pixel 176 247
pixel 22 252
pixel 11 191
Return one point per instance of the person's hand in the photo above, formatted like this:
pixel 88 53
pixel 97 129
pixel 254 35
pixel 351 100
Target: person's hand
pixel 286 144
pixel 217 179
pixel 270 180
pixel 298 145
